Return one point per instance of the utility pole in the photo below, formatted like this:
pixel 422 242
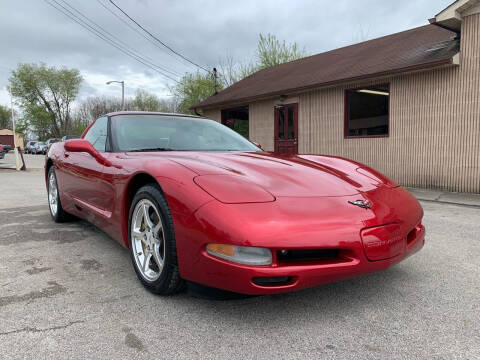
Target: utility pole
pixel 123 91
pixel 215 78
pixel 123 95
pixel 17 160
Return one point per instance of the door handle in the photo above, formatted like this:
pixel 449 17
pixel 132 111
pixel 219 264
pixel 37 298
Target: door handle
pixel 66 155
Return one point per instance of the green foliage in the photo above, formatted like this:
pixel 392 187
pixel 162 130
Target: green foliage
pixel 241 127
pixel 272 52
pixel 39 119
pixel 93 107
pixel 45 95
pixel 78 128
pixel 193 88
pixel 5 117
pixel 145 101
pixel 196 87
pixel 21 127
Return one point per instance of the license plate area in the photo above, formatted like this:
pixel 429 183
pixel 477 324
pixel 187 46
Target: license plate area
pixel 383 242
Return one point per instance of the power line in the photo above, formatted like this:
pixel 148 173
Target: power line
pixel 112 38
pixel 158 40
pixel 143 35
pixel 133 50
pixel 97 33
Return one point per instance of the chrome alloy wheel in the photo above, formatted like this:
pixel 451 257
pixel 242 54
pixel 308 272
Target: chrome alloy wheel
pixel 53 194
pixel 148 240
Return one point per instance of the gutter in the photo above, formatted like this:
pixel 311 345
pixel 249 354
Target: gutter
pixel 433 21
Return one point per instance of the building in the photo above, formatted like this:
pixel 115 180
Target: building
pixel 407 104
pixel 6 138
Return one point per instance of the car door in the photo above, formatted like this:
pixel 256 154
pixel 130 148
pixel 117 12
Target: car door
pixel 86 185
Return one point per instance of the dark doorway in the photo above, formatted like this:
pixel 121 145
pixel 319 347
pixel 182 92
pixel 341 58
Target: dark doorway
pixel 236 119
pixel 286 129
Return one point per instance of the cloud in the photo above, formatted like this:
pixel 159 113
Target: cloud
pixel 33 31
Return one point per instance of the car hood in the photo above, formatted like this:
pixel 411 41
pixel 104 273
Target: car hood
pixel 281 176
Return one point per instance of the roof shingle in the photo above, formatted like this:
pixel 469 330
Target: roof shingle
pixel 422 47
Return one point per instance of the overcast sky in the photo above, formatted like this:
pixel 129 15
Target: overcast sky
pixel 203 31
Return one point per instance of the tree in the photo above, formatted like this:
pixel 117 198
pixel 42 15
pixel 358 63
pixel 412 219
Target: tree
pixel 272 52
pixel 45 95
pixel 193 88
pixel 196 87
pixel 92 108
pixel 230 70
pixel 40 120
pixel 5 117
pixel 145 101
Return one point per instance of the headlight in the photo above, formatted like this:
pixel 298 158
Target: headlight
pixel 247 255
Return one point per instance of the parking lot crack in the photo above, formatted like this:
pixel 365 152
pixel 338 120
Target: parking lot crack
pixel 35 330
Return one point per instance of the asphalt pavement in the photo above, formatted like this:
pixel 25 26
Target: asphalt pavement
pixel 68 291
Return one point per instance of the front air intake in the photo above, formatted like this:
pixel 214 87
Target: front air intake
pixel 272 280
pixel 307 255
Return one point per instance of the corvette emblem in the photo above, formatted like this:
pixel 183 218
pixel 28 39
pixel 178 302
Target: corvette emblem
pixel 365 204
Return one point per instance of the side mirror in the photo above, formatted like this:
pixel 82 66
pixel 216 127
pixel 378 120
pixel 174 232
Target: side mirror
pixel 81 145
pixel 257 144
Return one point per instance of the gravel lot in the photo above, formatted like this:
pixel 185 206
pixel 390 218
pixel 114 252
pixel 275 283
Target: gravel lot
pixel 69 291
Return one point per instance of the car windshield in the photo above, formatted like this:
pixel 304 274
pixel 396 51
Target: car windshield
pixel 175 133
pixel 40 143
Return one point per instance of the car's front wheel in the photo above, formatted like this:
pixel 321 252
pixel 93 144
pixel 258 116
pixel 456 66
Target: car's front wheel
pixel 56 210
pixel 152 242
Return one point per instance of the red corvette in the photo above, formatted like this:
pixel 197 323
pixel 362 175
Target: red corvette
pixel 194 201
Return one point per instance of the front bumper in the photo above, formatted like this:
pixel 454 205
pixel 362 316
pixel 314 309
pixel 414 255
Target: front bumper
pixel 242 279
pixel 299 224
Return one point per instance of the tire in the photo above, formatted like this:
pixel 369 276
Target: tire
pixel 58 214
pixel 152 238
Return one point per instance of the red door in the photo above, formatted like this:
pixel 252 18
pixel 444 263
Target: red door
pixel 286 129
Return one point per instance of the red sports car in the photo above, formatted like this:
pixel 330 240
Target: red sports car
pixel 195 201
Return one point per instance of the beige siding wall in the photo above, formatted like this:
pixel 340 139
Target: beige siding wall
pixel 434 137
pixel 434 124
pixel 260 124
pixel 213 114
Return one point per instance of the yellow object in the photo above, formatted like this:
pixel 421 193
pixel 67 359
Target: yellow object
pixel 224 249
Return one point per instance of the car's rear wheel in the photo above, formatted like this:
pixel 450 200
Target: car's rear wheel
pixel 152 242
pixel 56 210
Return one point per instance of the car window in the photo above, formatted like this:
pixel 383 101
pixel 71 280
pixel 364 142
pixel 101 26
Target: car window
pixel 97 134
pixel 138 132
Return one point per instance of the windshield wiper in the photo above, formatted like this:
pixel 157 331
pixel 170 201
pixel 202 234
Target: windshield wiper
pixel 152 149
